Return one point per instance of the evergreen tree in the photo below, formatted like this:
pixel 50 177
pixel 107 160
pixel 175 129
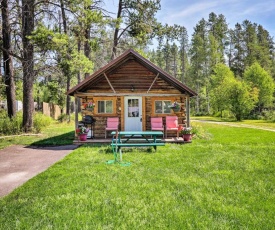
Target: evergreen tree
pixel 137 19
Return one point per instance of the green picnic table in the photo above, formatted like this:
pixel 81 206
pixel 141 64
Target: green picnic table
pixel 134 139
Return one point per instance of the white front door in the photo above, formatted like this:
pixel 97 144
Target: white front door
pixel 133 113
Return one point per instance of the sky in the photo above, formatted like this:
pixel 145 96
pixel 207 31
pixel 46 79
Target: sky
pixel 188 13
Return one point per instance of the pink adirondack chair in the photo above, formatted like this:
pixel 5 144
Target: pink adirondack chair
pixel 157 124
pixel 172 125
pixel 112 125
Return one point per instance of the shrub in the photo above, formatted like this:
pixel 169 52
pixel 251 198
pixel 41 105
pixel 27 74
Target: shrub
pixel 63 117
pixel 10 126
pixel 269 115
pixel 41 121
pixel 199 133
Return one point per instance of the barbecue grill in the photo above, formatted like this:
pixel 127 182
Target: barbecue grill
pixel 89 122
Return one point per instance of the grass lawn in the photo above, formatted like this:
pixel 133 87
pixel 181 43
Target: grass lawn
pixel 227 182
pixel 55 134
pixel 252 123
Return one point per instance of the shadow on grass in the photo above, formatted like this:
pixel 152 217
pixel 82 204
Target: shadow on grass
pixel 63 139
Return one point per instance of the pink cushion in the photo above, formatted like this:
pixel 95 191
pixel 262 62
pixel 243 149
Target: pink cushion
pixel 112 123
pixel 156 122
pixel 171 122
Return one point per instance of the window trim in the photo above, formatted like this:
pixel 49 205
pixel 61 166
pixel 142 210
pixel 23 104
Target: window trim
pixel 96 100
pixel 153 100
pixel 162 106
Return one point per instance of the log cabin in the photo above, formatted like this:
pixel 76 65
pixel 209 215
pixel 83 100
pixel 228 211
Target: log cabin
pixel 134 89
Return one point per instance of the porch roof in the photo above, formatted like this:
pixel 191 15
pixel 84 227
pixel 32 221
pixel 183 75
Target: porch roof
pixel 97 76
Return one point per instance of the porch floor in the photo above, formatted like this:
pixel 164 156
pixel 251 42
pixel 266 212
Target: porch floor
pixel 109 140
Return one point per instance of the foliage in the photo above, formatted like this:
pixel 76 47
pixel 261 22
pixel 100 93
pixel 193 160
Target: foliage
pixel 47 39
pixel 41 121
pixel 219 92
pixel 11 126
pixel 90 105
pixel 82 130
pixel 242 101
pixel 269 115
pixel 63 117
pixel 229 93
pixel 259 78
pixel 175 105
pixel 186 130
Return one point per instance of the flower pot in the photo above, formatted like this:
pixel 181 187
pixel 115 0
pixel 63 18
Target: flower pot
pixel 187 137
pixel 176 110
pixel 83 137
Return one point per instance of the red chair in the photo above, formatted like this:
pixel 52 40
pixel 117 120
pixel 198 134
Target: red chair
pixel 157 124
pixel 112 125
pixel 171 125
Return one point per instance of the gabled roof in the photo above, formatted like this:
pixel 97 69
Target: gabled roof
pixel 97 76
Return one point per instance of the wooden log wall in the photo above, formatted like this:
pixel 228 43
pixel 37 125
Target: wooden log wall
pixel 181 114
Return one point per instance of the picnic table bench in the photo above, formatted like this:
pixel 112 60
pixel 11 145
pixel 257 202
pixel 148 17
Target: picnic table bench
pixel 135 139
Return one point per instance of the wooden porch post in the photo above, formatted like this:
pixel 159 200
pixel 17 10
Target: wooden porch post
pixel 188 111
pixel 76 113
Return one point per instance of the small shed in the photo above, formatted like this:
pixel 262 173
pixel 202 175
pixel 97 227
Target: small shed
pixel 134 89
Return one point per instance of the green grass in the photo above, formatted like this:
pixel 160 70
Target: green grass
pixel 226 182
pixel 55 134
pixel 256 123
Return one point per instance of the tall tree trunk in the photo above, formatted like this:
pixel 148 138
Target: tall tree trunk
pixel 87 48
pixel 65 71
pixel 28 73
pixel 115 41
pixel 8 63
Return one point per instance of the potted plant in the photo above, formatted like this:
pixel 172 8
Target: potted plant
pixel 90 106
pixel 82 133
pixel 175 106
pixel 186 133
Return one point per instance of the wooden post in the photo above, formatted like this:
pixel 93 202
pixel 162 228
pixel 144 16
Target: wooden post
pixel 76 114
pixel 187 104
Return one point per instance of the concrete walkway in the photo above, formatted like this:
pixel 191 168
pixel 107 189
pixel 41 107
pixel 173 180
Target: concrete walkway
pixel 18 163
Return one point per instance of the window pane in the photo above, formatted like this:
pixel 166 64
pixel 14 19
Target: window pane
pixel 100 107
pixel 166 105
pixel 133 108
pixel 158 106
pixel 109 106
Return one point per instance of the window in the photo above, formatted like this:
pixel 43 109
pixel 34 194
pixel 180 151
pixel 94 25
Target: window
pixel 133 107
pixel 162 107
pixel 105 106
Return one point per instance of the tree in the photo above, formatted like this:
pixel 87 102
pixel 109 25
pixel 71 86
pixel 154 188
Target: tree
pixel 242 98
pixel 8 60
pixel 219 92
pixel 28 63
pixel 259 78
pixel 237 59
pixel 229 93
pixel 138 19
pixel 198 59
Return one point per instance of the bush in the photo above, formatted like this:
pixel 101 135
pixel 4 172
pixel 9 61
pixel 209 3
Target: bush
pixel 14 126
pixel 199 133
pixel 269 115
pixel 41 121
pixel 63 117
pixel 10 126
